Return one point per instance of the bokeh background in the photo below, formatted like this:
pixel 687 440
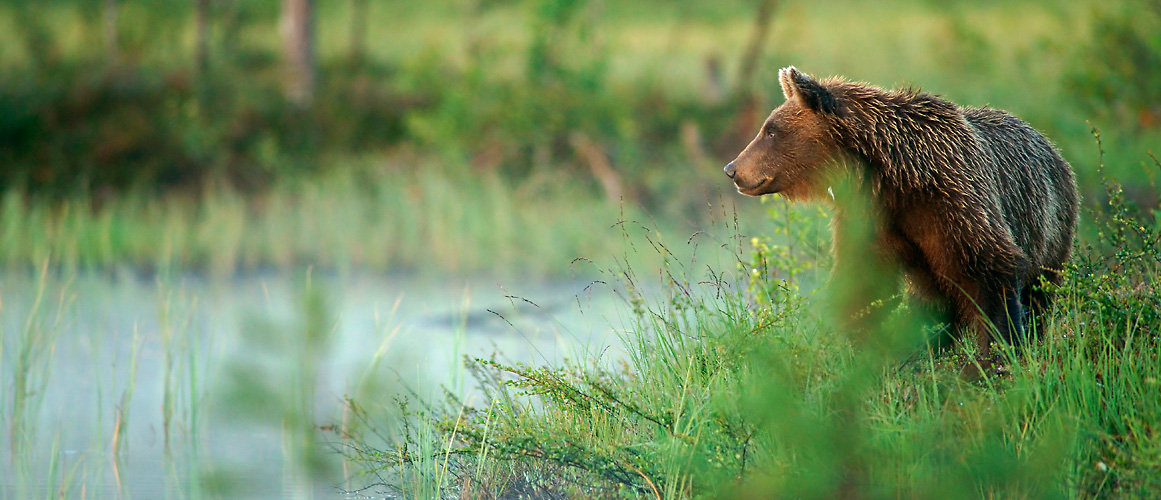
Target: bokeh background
pixel 465 136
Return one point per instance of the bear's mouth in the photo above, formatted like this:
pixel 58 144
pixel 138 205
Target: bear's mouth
pixel 758 189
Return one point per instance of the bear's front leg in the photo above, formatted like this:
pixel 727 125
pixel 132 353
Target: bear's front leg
pixel 1002 307
pixel 976 271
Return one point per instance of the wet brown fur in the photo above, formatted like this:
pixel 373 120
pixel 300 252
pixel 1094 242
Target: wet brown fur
pixel 974 204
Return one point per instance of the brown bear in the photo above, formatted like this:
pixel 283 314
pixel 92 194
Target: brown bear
pixel 975 205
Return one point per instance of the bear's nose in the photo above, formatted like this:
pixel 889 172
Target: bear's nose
pixel 730 170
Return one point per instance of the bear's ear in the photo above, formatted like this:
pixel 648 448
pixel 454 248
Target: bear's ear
pixel 787 81
pixel 796 84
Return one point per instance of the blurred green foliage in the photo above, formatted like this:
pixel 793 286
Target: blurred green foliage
pixel 1119 72
pixel 636 102
pixel 84 119
pixel 511 85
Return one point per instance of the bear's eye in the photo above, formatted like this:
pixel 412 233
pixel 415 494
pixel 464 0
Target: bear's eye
pixel 769 131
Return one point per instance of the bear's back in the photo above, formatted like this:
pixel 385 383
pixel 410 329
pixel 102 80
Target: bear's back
pixel 1033 183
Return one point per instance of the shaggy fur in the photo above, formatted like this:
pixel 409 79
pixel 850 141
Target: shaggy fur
pixel 976 205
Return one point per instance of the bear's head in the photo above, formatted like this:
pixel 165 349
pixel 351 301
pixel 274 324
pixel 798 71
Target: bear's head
pixel 794 145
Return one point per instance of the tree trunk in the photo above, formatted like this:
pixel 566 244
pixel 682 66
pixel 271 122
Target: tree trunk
pixel 357 50
pixel 201 37
pixel 750 110
pixel 298 48
pixel 599 164
pixel 111 50
pixel 753 52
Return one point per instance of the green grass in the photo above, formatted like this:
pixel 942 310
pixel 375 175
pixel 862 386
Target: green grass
pixel 30 365
pixel 739 384
pixel 417 219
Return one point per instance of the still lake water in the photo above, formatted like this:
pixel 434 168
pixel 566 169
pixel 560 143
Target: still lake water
pixel 222 366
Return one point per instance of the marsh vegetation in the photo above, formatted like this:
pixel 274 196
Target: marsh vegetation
pixel 493 255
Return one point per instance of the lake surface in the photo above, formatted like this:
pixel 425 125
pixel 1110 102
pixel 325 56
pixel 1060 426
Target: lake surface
pixel 116 386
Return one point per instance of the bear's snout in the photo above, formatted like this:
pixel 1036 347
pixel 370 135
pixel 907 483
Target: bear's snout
pixel 730 170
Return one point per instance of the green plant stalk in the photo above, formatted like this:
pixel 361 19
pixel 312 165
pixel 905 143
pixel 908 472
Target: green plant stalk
pixel 483 451
pixel 165 319
pixel 194 375
pixel 54 468
pixel 20 427
pixel 120 432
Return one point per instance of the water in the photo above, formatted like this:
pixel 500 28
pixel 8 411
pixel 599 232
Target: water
pixel 233 380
